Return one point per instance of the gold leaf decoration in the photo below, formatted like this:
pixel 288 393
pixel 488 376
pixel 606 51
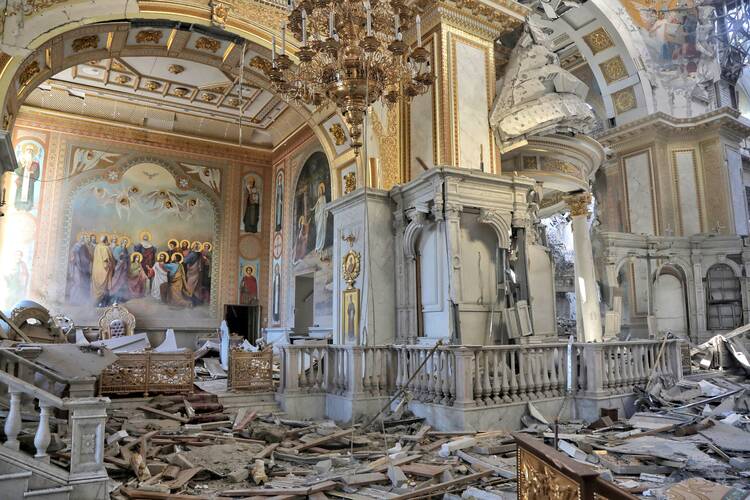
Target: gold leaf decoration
pixel 614 69
pixel 205 43
pixel 149 36
pixel 28 73
pixel 624 100
pixel 85 43
pixel 176 69
pixel 598 40
pixel 338 134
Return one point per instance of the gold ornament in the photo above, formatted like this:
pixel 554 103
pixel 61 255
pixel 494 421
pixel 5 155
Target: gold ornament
pixel 598 40
pixel 85 42
pixel 148 36
pixel 261 63
pixel 205 43
pixel 181 91
pixel 153 85
pixel 624 100
pixel 219 13
pixel 122 79
pixel 350 182
pixel 614 69
pixel 205 97
pixel 578 203
pixel 176 69
pixel 350 267
pixel 29 72
pixel 339 136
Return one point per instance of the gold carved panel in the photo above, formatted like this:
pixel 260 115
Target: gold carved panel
pixel 624 100
pixel 598 40
pixel 250 371
pixel 538 480
pixel 614 69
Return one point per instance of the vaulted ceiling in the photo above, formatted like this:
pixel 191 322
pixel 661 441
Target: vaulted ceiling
pixel 134 73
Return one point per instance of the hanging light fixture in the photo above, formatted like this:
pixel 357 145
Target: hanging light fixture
pixel 352 53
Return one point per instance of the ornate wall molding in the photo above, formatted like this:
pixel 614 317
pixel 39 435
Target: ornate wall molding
pixel 501 227
pixel 417 220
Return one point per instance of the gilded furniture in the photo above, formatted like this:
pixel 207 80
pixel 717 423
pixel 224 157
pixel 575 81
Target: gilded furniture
pixel 250 371
pixel 146 372
pixel 116 321
pixel 546 474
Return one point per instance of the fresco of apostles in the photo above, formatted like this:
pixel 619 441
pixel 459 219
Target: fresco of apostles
pixel 106 268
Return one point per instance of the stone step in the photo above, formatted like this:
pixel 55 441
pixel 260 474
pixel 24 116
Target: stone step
pixel 14 485
pixel 60 493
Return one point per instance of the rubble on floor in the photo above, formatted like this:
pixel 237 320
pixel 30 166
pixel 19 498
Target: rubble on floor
pixel 686 438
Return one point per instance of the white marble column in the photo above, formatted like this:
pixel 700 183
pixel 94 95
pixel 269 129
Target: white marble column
pixel 587 295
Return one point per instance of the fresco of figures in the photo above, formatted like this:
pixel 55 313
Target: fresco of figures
pixel 249 279
pixel 21 192
pixel 313 223
pixel 145 239
pixel 252 186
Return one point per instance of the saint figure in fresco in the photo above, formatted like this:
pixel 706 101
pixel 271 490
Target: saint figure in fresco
pixel 79 272
pixel 206 257
pixel 252 206
pixel 101 272
pixel 303 231
pixel 193 264
pixel 27 173
pixel 17 279
pixel 148 252
pixel 175 290
pixel 136 276
pixel 350 312
pixel 279 216
pixel 118 288
pixel 159 275
pixel 276 293
pixel 248 286
pixel 321 218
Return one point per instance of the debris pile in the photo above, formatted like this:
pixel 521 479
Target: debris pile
pixel 177 447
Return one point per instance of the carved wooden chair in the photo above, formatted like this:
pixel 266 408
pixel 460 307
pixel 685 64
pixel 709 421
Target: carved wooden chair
pixel 116 321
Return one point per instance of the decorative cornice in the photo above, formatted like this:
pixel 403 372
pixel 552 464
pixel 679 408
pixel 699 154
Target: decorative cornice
pixel 725 117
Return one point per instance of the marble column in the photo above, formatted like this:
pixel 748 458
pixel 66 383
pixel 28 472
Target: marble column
pixel 587 295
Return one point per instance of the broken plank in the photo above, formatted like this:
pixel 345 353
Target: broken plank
pixel 494 468
pixel 382 464
pixel 135 494
pixel 266 451
pixel 419 435
pixel 424 470
pixel 323 440
pixel 164 414
pixel 364 479
pixel 443 486
pixel 182 478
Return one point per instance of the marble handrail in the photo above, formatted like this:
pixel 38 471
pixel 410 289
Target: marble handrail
pixel 467 375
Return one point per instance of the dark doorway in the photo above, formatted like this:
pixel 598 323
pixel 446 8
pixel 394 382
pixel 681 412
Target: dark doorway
pixel 243 321
pixel 304 299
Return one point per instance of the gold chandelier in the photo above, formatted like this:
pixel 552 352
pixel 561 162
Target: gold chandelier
pixel 351 52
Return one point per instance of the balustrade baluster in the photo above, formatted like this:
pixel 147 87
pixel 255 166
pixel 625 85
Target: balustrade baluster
pixel 13 420
pixel 444 374
pixel 478 354
pixel 515 378
pixel 522 383
pixel 508 375
pixel 43 436
pixel 549 355
pixel 496 399
pixel 641 377
pixel 452 378
pixel 535 372
pixel 614 379
pixel 548 362
pixel 486 388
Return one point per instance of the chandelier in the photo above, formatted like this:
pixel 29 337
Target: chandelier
pixel 351 52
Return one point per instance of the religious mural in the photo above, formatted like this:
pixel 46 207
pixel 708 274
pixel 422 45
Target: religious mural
pixel 678 36
pixel 248 279
pixel 252 187
pixel 20 198
pixel 313 223
pixel 145 239
pixel 276 292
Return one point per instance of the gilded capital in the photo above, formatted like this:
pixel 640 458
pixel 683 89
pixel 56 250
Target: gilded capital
pixel 578 203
